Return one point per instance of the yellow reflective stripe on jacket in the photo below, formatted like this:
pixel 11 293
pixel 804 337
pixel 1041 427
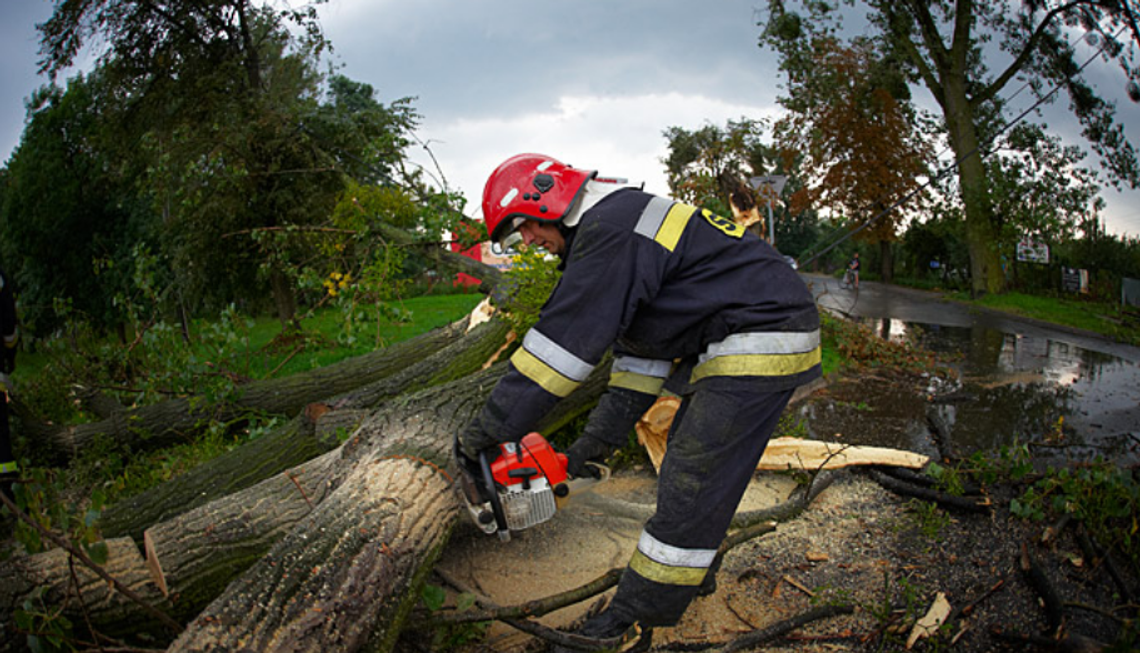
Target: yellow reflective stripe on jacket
pixel 664 221
pixel 640 374
pixel 556 356
pixel 9 467
pixel 758 365
pixel 670 565
pixel 542 374
pixel 649 385
pixel 760 354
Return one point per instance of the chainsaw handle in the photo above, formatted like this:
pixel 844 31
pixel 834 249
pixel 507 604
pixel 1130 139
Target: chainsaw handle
pixel 496 505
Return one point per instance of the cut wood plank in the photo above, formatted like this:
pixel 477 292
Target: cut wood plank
pixel 781 453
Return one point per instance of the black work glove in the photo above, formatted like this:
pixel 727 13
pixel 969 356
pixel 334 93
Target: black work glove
pixel 475 438
pixel 586 449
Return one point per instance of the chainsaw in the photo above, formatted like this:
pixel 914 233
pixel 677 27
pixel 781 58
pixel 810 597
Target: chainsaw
pixel 521 487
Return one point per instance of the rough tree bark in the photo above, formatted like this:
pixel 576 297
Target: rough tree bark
pixel 300 439
pixel 168 422
pixel 346 575
pixel 196 555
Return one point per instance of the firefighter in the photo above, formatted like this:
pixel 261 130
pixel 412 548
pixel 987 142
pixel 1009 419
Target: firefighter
pixel 10 334
pixel 689 302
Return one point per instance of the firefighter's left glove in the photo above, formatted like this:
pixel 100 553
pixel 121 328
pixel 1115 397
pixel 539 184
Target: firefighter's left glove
pixel 474 439
pixel 586 449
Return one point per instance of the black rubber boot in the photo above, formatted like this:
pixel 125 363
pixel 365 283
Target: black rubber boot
pixel 708 585
pixel 604 626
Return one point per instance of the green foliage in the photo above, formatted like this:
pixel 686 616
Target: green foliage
pixel 1099 494
pixel 62 196
pixel 858 346
pixel 930 520
pixel 48 629
pixel 449 637
pixel 41 495
pixel 707 165
pixel 1102 496
pixel 202 131
pixel 533 276
pixel 1099 317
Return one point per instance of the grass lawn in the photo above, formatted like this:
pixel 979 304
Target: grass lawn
pixel 1105 319
pixel 327 326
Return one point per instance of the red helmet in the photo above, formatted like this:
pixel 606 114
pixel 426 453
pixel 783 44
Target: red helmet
pixel 530 187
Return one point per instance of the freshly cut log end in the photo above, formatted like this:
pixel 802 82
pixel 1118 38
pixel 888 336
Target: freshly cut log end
pixel 154 565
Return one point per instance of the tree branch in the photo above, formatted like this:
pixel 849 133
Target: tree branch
pixel 62 543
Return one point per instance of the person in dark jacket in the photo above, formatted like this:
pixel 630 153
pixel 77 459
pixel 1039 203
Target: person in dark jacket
pixel 689 302
pixel 10 334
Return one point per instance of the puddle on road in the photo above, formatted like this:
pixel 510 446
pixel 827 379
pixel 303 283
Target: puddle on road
pixel 1012 389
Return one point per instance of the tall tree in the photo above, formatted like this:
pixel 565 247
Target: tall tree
pixel 952 49
pixel 224 101
pixel 853 131
pixel 68 226
pixel 706 166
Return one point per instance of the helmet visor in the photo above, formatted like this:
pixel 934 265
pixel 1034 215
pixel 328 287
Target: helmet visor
pixel 511 236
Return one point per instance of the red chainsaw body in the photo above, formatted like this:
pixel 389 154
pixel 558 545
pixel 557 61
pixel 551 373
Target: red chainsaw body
pixel 532 457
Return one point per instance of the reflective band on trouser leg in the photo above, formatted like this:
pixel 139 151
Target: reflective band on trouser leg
pixel 713 452
pixel 670 565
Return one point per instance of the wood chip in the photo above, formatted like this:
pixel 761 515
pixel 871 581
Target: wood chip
pixel 930 622
pixel 791 581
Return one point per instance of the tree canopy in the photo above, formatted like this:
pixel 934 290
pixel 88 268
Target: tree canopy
pixel 966 54
pixel 209 132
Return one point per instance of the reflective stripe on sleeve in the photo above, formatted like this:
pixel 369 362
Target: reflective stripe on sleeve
pixel 664 221
pixel 760 354
pixel 645 375
pixel 557 357
pixel 549 364
pixel 542 374
pixel 670 565
pixel 12 339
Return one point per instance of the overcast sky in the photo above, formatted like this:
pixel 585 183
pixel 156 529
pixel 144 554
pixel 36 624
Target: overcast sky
pixel 593 82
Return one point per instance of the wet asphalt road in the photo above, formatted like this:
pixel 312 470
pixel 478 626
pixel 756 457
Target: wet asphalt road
pixel 1024 373
pixel 881 301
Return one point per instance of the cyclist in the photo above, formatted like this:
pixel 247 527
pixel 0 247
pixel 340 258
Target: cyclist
pixel 852 274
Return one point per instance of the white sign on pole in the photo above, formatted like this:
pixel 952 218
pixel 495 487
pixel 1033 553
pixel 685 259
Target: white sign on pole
pixel 773 184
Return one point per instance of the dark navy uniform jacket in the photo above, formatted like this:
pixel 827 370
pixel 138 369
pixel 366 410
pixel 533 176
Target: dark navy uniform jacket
pixel 665 284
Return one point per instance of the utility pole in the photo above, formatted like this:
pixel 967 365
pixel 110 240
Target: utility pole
pixel 770 186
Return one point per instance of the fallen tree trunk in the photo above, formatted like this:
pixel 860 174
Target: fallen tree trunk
pixel 300 439
pixel 192 558
pixel 168 422
pixel 106 610
pixel 378 565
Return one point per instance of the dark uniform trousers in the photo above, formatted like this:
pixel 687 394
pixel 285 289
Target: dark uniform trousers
pixel 718 436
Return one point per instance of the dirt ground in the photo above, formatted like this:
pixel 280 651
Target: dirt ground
pixel 858 544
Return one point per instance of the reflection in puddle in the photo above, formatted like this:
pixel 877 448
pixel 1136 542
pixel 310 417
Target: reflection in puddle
pixel 1070 401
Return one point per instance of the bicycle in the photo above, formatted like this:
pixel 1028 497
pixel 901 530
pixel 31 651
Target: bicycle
pixel 848 280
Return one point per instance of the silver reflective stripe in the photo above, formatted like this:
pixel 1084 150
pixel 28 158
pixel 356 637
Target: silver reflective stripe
pixel 552 354
pixel 763 343
pixel 666 554
pixel 12 338
pixel 652 216
pixel 644 366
